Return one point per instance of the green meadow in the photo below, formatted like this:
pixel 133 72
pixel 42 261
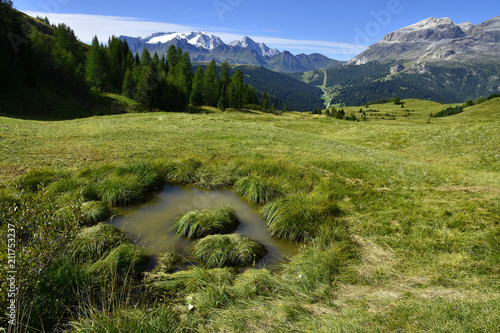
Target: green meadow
pixel 397 219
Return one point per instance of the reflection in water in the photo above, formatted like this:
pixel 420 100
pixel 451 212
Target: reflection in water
pixel 151 225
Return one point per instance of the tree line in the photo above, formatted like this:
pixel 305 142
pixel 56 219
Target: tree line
pixel 450 111
pixel 38 55
pixel 164 83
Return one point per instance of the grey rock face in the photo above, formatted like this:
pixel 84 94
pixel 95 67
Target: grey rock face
pixel 436 39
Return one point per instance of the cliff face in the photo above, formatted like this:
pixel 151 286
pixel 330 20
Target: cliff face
pixel 436 39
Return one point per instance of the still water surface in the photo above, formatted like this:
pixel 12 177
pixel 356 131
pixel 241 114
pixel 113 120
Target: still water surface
pixel 151 225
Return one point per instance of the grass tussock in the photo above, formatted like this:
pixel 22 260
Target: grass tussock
pixel 197 224
pixel 120 190
pixel 95 243
pixel 259 282
pixel 228 250
pixel 257 189
pixel 298 216
pixel 183 172
pixel 326 259
pixel 159 284
pixel 167 262
pixel 123 262
pixel 95 211
pixel 35 179
pixel 158 320
pixel 148 174
pixel 8 196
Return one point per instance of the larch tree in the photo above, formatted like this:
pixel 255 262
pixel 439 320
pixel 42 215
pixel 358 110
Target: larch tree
pixel 196 97
pixel 211 85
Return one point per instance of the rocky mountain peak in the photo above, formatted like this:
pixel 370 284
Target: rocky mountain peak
pixel 261 48
pixel 431 29
pixel 437 39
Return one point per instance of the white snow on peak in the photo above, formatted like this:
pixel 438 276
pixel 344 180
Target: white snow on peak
pixel 199 39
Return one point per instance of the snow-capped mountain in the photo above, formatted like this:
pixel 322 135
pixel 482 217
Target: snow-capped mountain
pixel 204 47
pixel 199 39
pixel 437 39
pixel 260 48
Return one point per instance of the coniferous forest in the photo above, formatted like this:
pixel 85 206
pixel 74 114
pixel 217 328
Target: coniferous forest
pixel 44 58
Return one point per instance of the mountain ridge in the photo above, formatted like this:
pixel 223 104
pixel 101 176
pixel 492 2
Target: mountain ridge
pixel 204 47
pixel 435 39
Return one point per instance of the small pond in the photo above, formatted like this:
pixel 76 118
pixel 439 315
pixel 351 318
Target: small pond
pixel 151 225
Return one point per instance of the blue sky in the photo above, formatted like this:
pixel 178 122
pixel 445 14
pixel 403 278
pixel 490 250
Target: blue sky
pixel 338 29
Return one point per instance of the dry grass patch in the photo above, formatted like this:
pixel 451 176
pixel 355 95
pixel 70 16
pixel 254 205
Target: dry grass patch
pixel 377 263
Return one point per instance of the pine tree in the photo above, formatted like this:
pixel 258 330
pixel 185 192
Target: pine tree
pixel 145 58
pixel 163 65
pixel 184 72
pixel 115 61
pixel 221 105
pixel 211 85
pixel 155 62
pixel 196 98
pixel 265 102
pixel 180 77
pixel 237 90
pixel 172 57
pixel 150 90
pixel 129 86
pixel 225 78
pixel 96 65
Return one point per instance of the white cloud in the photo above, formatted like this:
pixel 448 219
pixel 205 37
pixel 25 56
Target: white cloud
pixel 87 26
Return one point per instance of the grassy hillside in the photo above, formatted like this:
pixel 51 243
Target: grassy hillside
pixel 412 244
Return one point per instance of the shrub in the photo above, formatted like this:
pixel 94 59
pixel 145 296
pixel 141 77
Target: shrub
pixel 297 217
pixel 228 250
pixel 257 189
pixel 197 224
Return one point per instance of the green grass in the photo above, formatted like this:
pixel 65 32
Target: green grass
pixel 197 224
pixel 218 251
pixel 186 282
pixel 257 189
pixel 298 216
pixel 123 262
pixel 95 243
pixel 399 217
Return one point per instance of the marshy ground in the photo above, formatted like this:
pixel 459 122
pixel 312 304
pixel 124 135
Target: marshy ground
pixel 398 218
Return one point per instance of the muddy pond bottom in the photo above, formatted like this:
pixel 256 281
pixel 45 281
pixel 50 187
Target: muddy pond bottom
pixel 151 225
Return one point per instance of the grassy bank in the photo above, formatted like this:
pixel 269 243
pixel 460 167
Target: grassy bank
pixel 399 218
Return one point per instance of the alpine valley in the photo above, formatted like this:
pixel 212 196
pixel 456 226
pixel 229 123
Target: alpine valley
pixel 434 59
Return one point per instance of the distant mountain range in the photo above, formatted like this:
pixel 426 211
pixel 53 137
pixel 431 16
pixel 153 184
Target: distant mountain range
pixel 204 47
pixel 433 59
